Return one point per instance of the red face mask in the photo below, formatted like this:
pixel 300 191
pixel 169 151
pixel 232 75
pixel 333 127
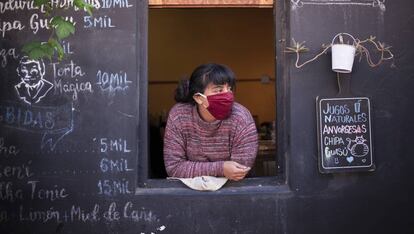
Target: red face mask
pixel 219 105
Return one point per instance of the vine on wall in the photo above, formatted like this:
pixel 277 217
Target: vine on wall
pixel 60 28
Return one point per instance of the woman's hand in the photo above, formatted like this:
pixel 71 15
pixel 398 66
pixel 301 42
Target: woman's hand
pixel 234 171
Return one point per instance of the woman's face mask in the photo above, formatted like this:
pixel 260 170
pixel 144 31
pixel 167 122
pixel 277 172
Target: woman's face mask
pixel 219 105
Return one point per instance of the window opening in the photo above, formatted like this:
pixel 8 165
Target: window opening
pixel 243 39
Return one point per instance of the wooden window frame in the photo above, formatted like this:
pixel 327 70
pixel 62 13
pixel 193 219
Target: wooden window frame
pixel 210 3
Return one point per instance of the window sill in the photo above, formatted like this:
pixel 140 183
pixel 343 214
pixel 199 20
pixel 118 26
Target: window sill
pixel 256 185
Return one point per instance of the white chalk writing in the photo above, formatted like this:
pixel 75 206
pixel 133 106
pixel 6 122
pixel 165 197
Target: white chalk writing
pixel 112 82
pixel 115 4
pixel 7 150
pixel 66 79
pixel 92 214
pixel 42 216
pixel 112 214
pixel 345 129
pixel 19 172
pixel 333 140
pixel 6 26
pixel 4 53
pixel 138 215
pixel 114 165
pixel 78 214
pixel 113 145
pixel 73 88
pixel 98 22
pixel 336 109
pixel 337 151
pixel 113 187
pixel 9 193
pixel 70 70
pixel 15 5
pixel 53 194
pixel 36 23
pixel 67 49
pixel 357 118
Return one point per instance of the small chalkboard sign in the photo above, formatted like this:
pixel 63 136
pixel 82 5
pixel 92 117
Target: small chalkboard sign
pixel 344 134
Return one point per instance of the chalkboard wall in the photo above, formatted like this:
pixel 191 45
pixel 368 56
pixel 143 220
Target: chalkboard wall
pixel 353 202
pixel 69 146
pixel 68 138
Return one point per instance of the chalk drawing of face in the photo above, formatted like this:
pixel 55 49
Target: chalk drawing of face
pixel 32 87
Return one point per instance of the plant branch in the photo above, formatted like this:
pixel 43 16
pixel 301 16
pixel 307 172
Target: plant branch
pixel 385 51
pixel 300 48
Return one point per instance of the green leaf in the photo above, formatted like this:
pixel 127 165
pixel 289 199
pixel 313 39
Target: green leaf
pixel 37 53
pixel 38 50
pixel 81 4
pixel 63 27
pixel 64 30
pixel 89 8
pixel 30 46
pixel 58 47
pixel 57 20
pixel 49 50
pixel 39 3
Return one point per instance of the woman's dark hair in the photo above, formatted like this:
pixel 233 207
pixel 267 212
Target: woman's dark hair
pixel 202 76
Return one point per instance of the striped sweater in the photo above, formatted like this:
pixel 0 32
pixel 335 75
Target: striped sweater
pixel 193 147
